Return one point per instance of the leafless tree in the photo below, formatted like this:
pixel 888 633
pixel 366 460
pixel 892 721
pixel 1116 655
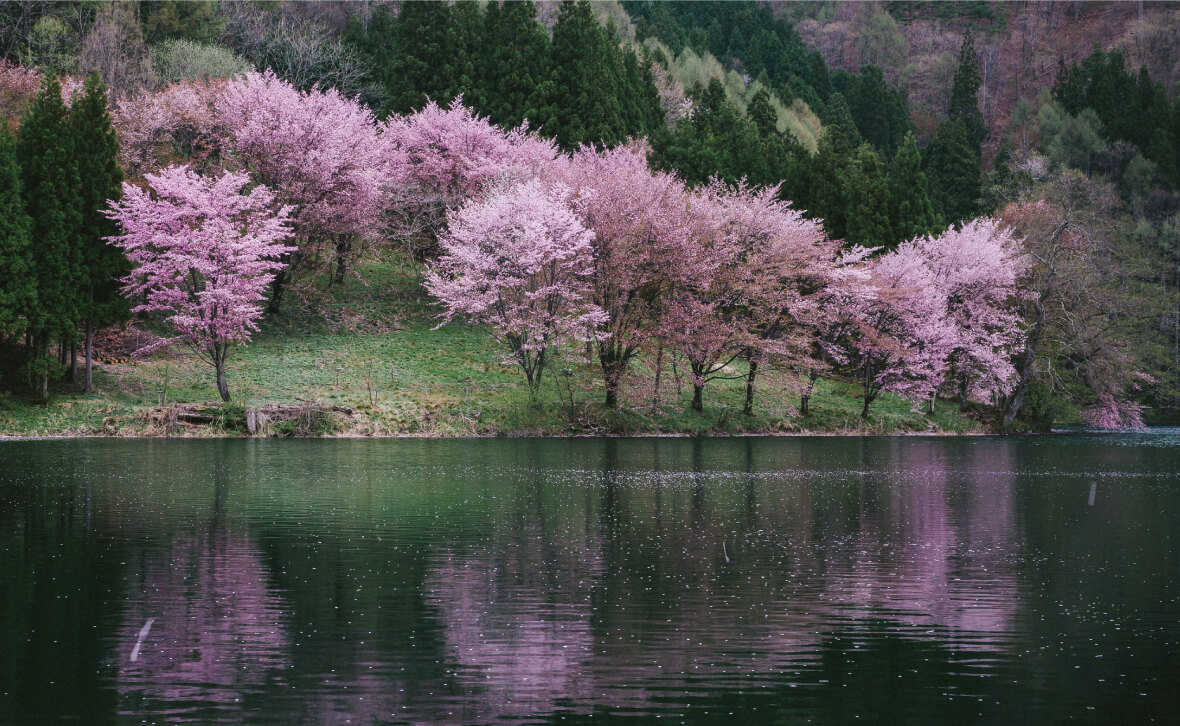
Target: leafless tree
pixel 114 48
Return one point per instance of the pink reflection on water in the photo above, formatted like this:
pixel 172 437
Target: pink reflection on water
pixel 217 629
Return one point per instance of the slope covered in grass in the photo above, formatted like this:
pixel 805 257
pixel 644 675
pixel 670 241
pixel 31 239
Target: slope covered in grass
pixel 370 347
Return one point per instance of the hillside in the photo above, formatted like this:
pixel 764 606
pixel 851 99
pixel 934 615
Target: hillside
pixel 971 202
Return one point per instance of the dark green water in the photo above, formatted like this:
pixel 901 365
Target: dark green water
pixel 803 580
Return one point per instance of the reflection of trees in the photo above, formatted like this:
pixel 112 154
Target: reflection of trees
pixel 217 632
pixel 921 554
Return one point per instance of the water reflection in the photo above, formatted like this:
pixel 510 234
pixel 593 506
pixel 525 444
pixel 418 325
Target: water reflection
pixel 216 630
pixel 470 582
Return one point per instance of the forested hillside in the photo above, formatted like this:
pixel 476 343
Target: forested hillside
pixel 971 201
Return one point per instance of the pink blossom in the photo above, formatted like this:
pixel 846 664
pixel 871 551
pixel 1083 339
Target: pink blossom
pixel 520 261
pixel 203 253
pixel 320 151
pixel 439 158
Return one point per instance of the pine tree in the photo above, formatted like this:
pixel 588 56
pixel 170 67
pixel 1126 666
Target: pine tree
pixel 17 292
pixel 837 113
pixel 465 35
pixel 868 201
pixel 762 113
pixel 716 142
pixel 96 151
pixel 953 172
pixel 910 212
pixel 964 104
pixel 50 182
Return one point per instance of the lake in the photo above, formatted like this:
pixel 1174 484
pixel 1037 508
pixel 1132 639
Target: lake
pixel 772 580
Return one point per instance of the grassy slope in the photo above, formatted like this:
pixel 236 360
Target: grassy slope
pixel 370 346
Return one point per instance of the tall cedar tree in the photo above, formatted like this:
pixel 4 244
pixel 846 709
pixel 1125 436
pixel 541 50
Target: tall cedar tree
pixel 17 292
pixel 465 34
pixel 910 212
pixel 716 141
pixel 964 104
pixel 51 186
pixel 587 107
pixel 417 72
pixel 827 193
pixel 96 153
pixel 514 65
pixel 868 201
pixel 952 167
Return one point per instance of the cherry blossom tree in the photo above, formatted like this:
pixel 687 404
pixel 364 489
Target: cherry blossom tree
pixel 203 253
pixel 898 337
pixel 519 260
pixel 18 88
pixel 786 266
pixel 976 269
pixel 755 267
pixel 177 120
pixel 643 246
pixel 321 152
pixel 442 157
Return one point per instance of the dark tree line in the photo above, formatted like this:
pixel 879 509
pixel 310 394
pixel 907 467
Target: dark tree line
pixel 1131 107
pixel 578 87
pixel 58 277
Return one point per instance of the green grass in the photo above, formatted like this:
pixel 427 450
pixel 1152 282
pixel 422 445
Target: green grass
pixel 370 346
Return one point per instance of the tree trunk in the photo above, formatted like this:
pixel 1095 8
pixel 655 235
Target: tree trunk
pixel 655 398
pixel 1026 368
pixel 276 292
pixel 73 359
pixel 748 409
pixel 963 396
pixel 29 361
pixel 45 370
pixel 343 247
pixel 89 386
pixel 698 400
pixel 805 399
pixel 614 365
pixel 222 386
pixel 867 390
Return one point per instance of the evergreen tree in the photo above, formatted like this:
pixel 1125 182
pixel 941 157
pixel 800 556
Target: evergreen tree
pixel 376 42
pixel 465 36
pixel 716 141
pixel 762 113
pixel 837 113
pixel 514 65
pixel 586 107
pixel 50 182
pixel 17 292
pixel 419 70
pixel 827 196
pixel 910 212
pixel 964 104
pixel 879 111
pixel 868 201
pixel 95 152
pixel 953 171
